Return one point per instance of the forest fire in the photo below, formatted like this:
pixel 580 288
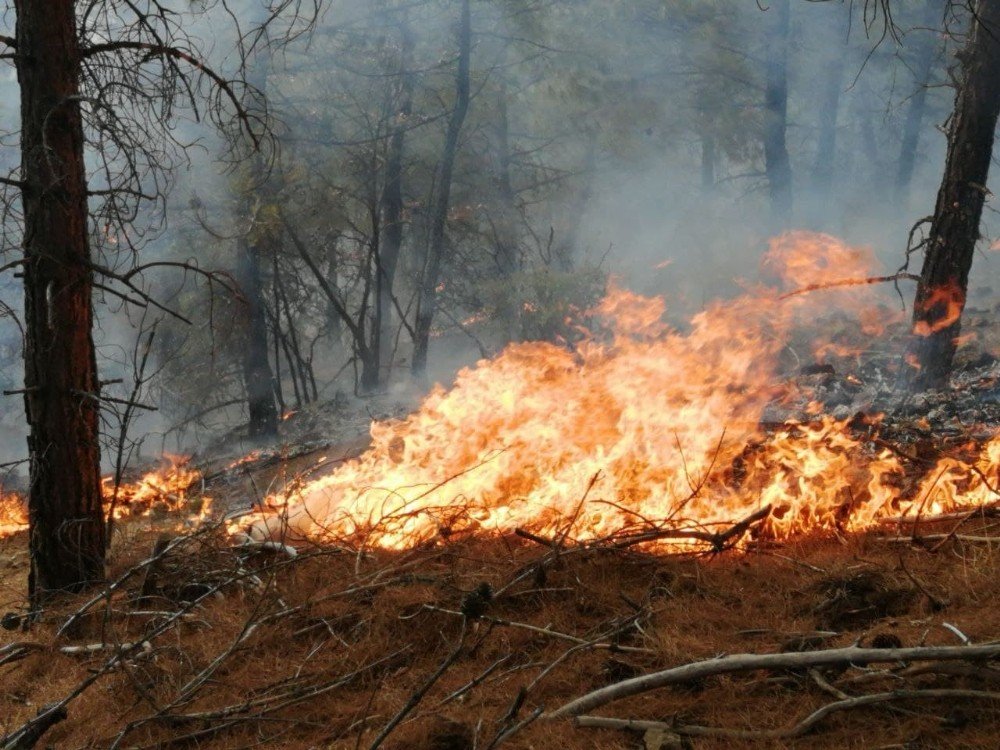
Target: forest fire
pixel 166 490
pixel 162 490
pixel 13 513
pixel 635 428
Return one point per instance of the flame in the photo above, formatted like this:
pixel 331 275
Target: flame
pixel 256 454
pixel 13 513
pixel 641 425
pixel 165 490
pixel 945 305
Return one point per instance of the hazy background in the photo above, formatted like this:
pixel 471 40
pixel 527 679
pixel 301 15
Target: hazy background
pixel 630 133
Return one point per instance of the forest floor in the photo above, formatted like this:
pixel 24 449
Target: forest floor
pixel 471 643
pixel 242 648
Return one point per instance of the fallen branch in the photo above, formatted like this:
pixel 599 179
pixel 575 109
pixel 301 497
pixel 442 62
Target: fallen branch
pixel 798 729
pixel 546 631
pixel 420 692
pixel 850 655
pixel 47 718
pixel 719 541
pixel 851 282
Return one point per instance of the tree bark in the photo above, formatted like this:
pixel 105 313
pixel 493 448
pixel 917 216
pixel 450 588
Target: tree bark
pixel 776 162
pixel 941 291
pixel 258 379
pixel 923 64
pixel 427 300
pixel 62 393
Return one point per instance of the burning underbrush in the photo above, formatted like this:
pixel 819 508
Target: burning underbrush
pixel 162 491
pixel 636 538
pixel 643 429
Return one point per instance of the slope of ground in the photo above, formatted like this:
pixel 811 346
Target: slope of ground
pixel 242 648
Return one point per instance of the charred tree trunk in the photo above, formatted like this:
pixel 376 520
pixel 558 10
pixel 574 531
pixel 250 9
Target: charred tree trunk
pixel 923 65
pixel 776 162
pixel 67 532
pixel 334 326
pixel 357 327
pixel 954 231
pixel 392 209
pixel 258 379
pixel 427 300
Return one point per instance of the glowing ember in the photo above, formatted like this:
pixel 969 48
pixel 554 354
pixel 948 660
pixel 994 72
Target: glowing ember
pixel 254 455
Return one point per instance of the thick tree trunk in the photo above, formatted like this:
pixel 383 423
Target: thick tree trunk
pixel 776 162
pixel 258 379
pixel 392 208
pixel 427 301
pixel 954 231
pixel 923 64
pixel 67 532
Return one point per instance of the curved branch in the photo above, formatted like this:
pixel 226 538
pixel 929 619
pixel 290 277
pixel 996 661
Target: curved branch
pixel 155 50
pixel 751 662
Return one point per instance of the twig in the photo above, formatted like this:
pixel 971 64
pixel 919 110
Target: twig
pixel 546 631
pixel 719 541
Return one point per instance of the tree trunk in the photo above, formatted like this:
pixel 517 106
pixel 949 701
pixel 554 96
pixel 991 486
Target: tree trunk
pixel 776 163
pixel 923 64
pixel 427 300
pixel 257 377
pixel 954 231
pixel 505 230
pixel 392 208
pixel 829 107
pixel 62 394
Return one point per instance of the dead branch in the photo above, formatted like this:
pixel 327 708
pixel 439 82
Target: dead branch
pixel 719 541
pixel 546 631
pixel 850 655
pixel 796 730
pixel 902 276
pixel 420 692
pixel 48 717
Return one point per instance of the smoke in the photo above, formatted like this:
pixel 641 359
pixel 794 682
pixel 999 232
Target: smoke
pixel 623 138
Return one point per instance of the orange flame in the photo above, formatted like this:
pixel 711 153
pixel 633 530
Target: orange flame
pixel 639 427
pixel 945 304
pixel 13 513
pixel 164 490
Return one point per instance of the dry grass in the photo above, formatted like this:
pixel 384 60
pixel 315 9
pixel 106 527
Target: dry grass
pixel 370 628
